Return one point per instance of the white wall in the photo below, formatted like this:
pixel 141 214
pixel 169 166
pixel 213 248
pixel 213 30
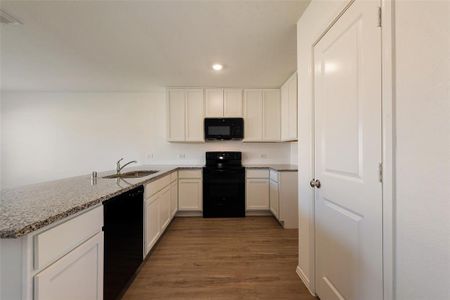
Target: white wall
pixel 422 138
pixel 54 135
pixel 423 149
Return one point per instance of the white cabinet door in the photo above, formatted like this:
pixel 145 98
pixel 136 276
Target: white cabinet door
pixel 190 194
pixel 152 224
pixel 274 198
pixel 214 103
pixel 232 103
pixel 194 115
pixel 272 115
pixel 176 114
pixel 292 108
pixel 257 194
pixel 164 208
pixel 253 115
pixel 289 109
pixel 285 112
pixel 173 198
pixel 77 275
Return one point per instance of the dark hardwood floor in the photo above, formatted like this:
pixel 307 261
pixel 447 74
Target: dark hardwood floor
pixel 248 258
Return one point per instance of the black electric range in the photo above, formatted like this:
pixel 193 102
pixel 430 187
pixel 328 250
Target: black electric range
pixel 223 185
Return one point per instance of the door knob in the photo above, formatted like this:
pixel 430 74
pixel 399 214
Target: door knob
pixel 315 183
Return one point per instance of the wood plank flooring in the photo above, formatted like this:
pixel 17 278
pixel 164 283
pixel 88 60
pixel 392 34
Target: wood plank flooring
pixel 248 258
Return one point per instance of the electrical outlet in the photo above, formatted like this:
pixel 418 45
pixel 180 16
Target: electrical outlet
pixel 181 155
pixel 150 156
pixel 263 155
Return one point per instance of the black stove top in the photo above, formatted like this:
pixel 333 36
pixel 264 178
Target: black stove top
pixel 218 159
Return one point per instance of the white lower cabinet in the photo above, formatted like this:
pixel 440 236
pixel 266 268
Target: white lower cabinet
pixel 61 261
pixel 151 222
pixel 77 275
pixel 257 189
pixel 173 198
pixel 283 197
pixel 274 198
pixel 275 191
pixel 190 194
pixel 161 197
pixel 257 194
pixel 164 208
pixel 190 190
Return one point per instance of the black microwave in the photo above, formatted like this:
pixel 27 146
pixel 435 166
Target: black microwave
pixel 224 128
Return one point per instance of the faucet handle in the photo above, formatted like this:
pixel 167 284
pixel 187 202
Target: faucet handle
pixel 118 162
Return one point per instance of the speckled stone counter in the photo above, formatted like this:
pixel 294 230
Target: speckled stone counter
pixel 29 208
pixel 276 167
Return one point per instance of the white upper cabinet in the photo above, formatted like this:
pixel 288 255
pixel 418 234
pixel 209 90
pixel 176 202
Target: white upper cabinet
pixel 272 115
pixel 262 113
pixel 253 115
pixel 284 112
pixel 194 115
pixel 185 112
pixel 232 103
pixel 214 103
pixel 176 106
pixel 223 103
pixel 289 109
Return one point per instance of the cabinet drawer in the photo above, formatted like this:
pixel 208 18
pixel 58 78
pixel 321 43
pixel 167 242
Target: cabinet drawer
pixel 155 186
pixel 190 174
pixel 257 173
pixel 56 242
pixel 173 176
pixel 274 175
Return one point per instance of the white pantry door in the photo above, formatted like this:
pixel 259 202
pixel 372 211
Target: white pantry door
pixel 348 203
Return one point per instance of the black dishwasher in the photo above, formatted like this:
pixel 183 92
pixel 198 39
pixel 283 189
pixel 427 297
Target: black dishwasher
pixel 123 241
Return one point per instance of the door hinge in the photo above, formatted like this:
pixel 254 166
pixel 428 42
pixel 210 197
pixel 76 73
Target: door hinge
pixel 379 16
pixel 380 172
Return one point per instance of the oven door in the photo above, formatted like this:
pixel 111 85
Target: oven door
pixel 223 193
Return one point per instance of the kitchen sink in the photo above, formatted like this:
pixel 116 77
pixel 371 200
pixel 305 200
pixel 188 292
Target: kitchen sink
pixel 133 174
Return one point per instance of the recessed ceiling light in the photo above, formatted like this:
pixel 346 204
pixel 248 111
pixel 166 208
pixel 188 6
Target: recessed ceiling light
pixel 217 67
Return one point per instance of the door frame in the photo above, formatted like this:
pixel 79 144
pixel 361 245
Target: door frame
pixel 388 146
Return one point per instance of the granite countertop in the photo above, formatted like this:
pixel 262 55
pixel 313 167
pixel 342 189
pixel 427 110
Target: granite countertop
pixel 276 167
pixel 29 208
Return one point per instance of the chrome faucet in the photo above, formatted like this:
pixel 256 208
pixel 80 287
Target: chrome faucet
pixel 119 168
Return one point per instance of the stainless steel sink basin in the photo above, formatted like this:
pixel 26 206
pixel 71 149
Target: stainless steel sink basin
pixel 132 174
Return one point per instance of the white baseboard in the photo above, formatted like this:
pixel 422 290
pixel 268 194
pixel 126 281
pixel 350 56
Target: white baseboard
pixel 252 213
pixel 305 280
pixel 189 214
